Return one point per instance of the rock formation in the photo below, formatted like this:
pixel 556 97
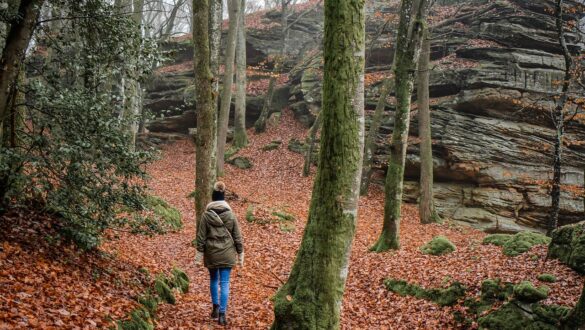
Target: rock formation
pixel 493 79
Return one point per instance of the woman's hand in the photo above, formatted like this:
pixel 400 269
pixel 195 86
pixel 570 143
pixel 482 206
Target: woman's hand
pixel 198 258
pixel 241 259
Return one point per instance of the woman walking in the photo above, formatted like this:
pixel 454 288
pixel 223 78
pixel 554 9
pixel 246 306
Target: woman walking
pixel 220 245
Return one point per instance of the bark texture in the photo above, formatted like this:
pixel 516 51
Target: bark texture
pixel 205 140
pixel 370 144
pixel 426 205
pixel 240 135
pixel 311 145
pixel 228 80
pixel 559 122
pixel 311 298
pixel 17 42
pixel 409 39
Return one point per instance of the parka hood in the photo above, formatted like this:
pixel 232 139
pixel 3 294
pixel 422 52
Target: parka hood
pixel 213 211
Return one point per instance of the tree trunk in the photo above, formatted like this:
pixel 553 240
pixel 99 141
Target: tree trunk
pixel 205 139
pixel 172 17
pixel 370 145
pixel 240 135
pixel 214 27
pixel 559 122
pixel 312 296
pixel 260 125
pixel 17 42
pixel 409 38
pixel 228 79
pixel 215 20
pixel 15 121
pixel 426 205
pixel 310 142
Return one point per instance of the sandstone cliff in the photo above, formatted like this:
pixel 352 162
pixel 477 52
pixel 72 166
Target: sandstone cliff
pixel 492 83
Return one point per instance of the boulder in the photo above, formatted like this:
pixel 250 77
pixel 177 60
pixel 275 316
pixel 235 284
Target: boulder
pixel 568 245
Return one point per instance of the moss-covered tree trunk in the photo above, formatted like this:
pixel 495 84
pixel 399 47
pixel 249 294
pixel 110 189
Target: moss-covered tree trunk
pixel 260 124
pixel 17 41
pixel 559 121
pixel 228 80
pixel 310 145
pixel 14 124
pixel 205 139
pixel 370 145
pixel 240 135
pixel 408 45
pixel 312 296
pixel 426 205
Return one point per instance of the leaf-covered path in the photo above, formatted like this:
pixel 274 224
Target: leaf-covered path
pixel 275 184
pixel 46 285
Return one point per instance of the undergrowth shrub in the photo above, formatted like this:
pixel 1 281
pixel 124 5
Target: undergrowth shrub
pixel 75 158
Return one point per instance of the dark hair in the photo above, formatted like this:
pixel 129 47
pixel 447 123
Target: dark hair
pixel 218 193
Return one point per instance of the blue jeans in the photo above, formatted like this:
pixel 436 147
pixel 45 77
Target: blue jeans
pixel 221 275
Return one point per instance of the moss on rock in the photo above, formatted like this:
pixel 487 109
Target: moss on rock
pixel 497 239
pixel 547 278
pixel 568 246
pixel 517 244
pixel 524 241
pixel 241 162
pixel 494 289
pixel 439 245
pixel 527 292
pixel 441 296
pixel 272 145
pixel 509 316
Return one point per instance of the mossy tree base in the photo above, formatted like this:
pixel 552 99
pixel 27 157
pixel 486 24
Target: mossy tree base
pixel 385 243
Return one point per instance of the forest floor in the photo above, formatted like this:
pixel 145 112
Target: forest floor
pixel 70 295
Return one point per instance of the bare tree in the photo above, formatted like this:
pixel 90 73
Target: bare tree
pixel 427 211
pixel 205 139
pixel 408 46
pixel 240 135
pixel 228 79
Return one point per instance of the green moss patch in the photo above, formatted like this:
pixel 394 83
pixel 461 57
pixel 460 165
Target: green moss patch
pixel 163 290
pixel 568 246
pixel 441 296
pixel 283 216
pixel 493 290
pixel 497 239
pixel 524 241
pixel 547 278
pixel 439 245
pixel 517 244
pixel 139 320
pixel 168 217
pixel 180 280
pixel 527 292
pixel 149 302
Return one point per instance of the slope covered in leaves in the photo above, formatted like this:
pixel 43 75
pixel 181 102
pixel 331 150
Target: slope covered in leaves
pixel 275 183
pixel 41 288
